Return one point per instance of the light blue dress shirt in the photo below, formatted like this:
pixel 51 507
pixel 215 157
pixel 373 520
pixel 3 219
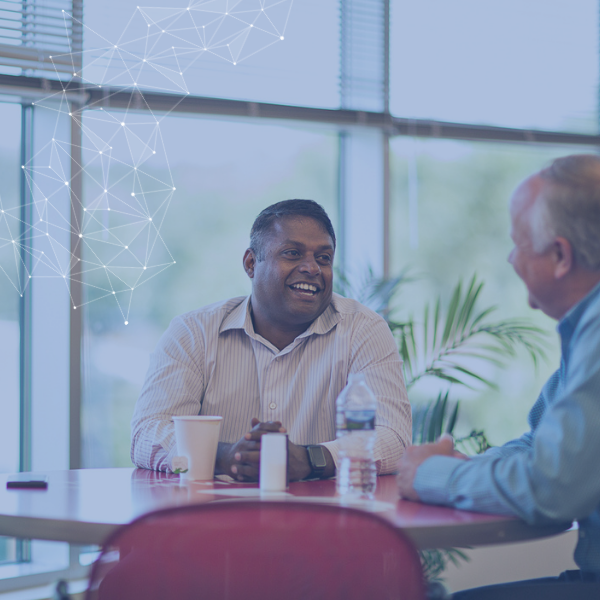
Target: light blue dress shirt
pixel 551 473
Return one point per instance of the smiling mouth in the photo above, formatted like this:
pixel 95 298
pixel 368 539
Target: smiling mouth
pixel 307 289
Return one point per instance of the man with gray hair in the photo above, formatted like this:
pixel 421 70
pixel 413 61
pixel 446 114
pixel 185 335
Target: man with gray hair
pixel 552 473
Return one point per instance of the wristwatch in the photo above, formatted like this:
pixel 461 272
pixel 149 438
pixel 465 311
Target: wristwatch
pixel 317 460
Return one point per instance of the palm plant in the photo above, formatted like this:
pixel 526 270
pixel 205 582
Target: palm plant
pixel 447 344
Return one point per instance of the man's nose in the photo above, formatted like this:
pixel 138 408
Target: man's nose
pixel 310 265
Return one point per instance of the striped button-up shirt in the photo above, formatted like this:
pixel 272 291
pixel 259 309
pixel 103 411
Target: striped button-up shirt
pixel 211 362
pixel 551 473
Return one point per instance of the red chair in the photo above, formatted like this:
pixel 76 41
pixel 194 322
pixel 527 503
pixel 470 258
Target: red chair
pixel 241 550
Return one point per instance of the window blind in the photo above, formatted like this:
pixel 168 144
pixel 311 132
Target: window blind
pixel 41 36
pixel 363 54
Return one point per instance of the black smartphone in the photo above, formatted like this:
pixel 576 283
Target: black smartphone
pixel 27 481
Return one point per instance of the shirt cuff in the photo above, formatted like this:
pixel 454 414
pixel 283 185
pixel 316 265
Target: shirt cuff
pixel 432 479
pixel 334 448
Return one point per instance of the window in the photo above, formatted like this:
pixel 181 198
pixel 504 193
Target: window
pixel 516 64
pixel 225 173
pixel 450 218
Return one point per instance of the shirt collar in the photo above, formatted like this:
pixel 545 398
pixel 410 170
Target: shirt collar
pixel 240 318
pixel 569 322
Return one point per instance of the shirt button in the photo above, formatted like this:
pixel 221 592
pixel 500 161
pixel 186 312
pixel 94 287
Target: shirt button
pixel 272 406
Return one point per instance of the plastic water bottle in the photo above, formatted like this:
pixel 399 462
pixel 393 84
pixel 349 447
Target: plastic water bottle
pixel 356 407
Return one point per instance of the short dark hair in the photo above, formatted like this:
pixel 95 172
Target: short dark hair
pixel 287 208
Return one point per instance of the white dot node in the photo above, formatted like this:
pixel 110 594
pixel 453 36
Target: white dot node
pixel 235 64
pixel 22 167
pixel 122 124
pixel 174 262
pixel 126 322
pixel 66 183
pixel 150 219
pixel 180 73
pixel 13 241
pixel 145 59
pixel 104 191
pixel 114 292
pixel 74 74
pixel 109 208
pixel 100 151
pixel 163 30
pixel 47 234
pixel 132 194
pixel 70 114
pixel 64 276
pixel 153 151
pixel 80 235
pixel 30 277
pixel 74 308
pixel 174 189
pixel 281 38
pixel 85 209
pixel 126 247
pixel 144 268
pixel 251 25
pixel 115 46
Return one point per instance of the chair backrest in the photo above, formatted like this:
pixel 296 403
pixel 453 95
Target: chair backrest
pixel 256 549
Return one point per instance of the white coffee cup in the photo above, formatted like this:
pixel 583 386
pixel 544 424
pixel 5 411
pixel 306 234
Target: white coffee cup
pixel 197 438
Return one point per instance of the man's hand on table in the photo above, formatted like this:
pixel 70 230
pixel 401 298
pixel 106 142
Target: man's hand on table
pixel 242 459
pixel 414 456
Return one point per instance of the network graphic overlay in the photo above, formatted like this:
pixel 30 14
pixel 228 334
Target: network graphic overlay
pixel 115 215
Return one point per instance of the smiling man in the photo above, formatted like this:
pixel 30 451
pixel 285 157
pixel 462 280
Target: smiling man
pixel 551 473
pixel 276 360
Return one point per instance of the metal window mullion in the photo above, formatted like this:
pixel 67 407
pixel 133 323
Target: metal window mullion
pixel 23 547
pixel 76 291
pixel 26 298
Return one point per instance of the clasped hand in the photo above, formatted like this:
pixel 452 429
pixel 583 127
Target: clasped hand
pixel 242 459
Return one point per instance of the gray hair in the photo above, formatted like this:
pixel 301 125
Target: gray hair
pixel 569 207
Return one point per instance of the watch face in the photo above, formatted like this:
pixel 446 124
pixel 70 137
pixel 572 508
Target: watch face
pixel 317 457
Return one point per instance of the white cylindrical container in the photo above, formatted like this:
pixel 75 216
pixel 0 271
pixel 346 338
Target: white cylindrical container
pixel 197 438
pixel 273 462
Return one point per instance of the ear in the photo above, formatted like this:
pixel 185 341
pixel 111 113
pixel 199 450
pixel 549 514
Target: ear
pixel 249 262
pixel 563 257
